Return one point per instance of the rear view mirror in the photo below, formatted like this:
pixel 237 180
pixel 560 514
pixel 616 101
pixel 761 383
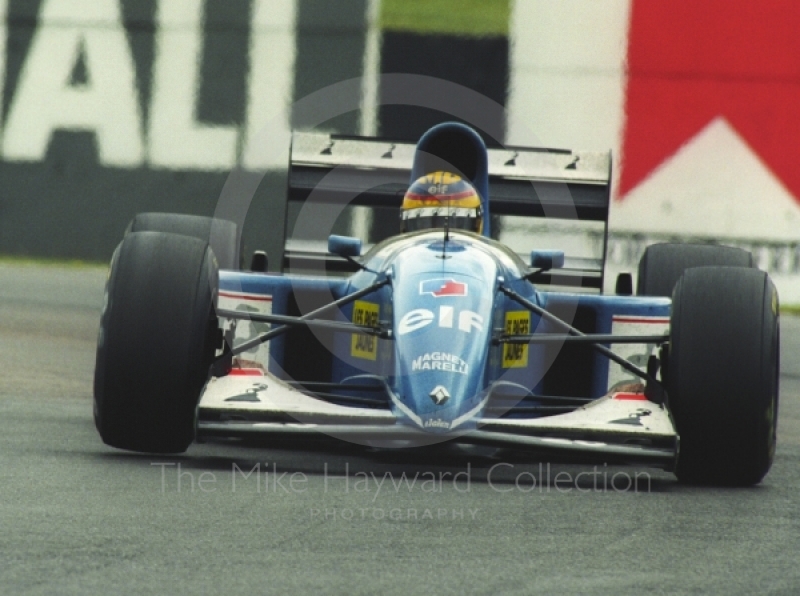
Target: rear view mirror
pixel 344 246
pixel 547 259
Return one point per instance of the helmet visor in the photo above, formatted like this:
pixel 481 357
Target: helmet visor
pixel 426 218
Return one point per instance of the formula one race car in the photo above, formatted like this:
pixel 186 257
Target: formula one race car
pixel 441 333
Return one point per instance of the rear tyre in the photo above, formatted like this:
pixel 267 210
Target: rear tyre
pixel 662 265
pixel 722 374
pixel 219 233
pixel 158 336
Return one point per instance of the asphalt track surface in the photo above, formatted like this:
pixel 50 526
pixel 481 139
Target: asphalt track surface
pixel 77 517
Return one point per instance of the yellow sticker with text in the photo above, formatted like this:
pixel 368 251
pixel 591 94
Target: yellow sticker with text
pixel 516 355
pixel 365 346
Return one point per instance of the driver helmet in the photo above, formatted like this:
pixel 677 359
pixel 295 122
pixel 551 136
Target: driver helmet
pixel 438 200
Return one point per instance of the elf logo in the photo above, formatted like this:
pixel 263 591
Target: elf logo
pixel 418 318
pixel 439 288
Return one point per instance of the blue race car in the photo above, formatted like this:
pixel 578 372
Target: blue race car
pixel 441 333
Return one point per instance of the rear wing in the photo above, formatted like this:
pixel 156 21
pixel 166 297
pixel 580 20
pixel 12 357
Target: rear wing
pixel 523 181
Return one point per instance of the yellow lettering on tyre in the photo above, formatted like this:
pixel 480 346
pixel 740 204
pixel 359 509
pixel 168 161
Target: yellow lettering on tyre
pixel 516 355
pixel 365 346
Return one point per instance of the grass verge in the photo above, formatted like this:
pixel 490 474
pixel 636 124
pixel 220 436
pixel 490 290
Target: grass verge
pixel 46 262
pixel 474 18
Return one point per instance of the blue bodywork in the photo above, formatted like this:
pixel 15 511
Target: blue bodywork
pixel 443 308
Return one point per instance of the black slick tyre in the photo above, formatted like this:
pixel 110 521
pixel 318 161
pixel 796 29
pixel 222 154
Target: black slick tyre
pixel 722 374
pixel 219 233
pixel 158 335
pixel 662 265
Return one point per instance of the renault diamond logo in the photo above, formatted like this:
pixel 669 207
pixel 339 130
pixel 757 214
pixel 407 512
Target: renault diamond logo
pixel 439 395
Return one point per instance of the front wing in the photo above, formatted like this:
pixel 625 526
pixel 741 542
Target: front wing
pixel 620 427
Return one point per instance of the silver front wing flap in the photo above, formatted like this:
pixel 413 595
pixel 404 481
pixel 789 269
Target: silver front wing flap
pixel 619 428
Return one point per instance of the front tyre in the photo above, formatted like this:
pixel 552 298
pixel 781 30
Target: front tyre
pixel 158 335
pixel 722 374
